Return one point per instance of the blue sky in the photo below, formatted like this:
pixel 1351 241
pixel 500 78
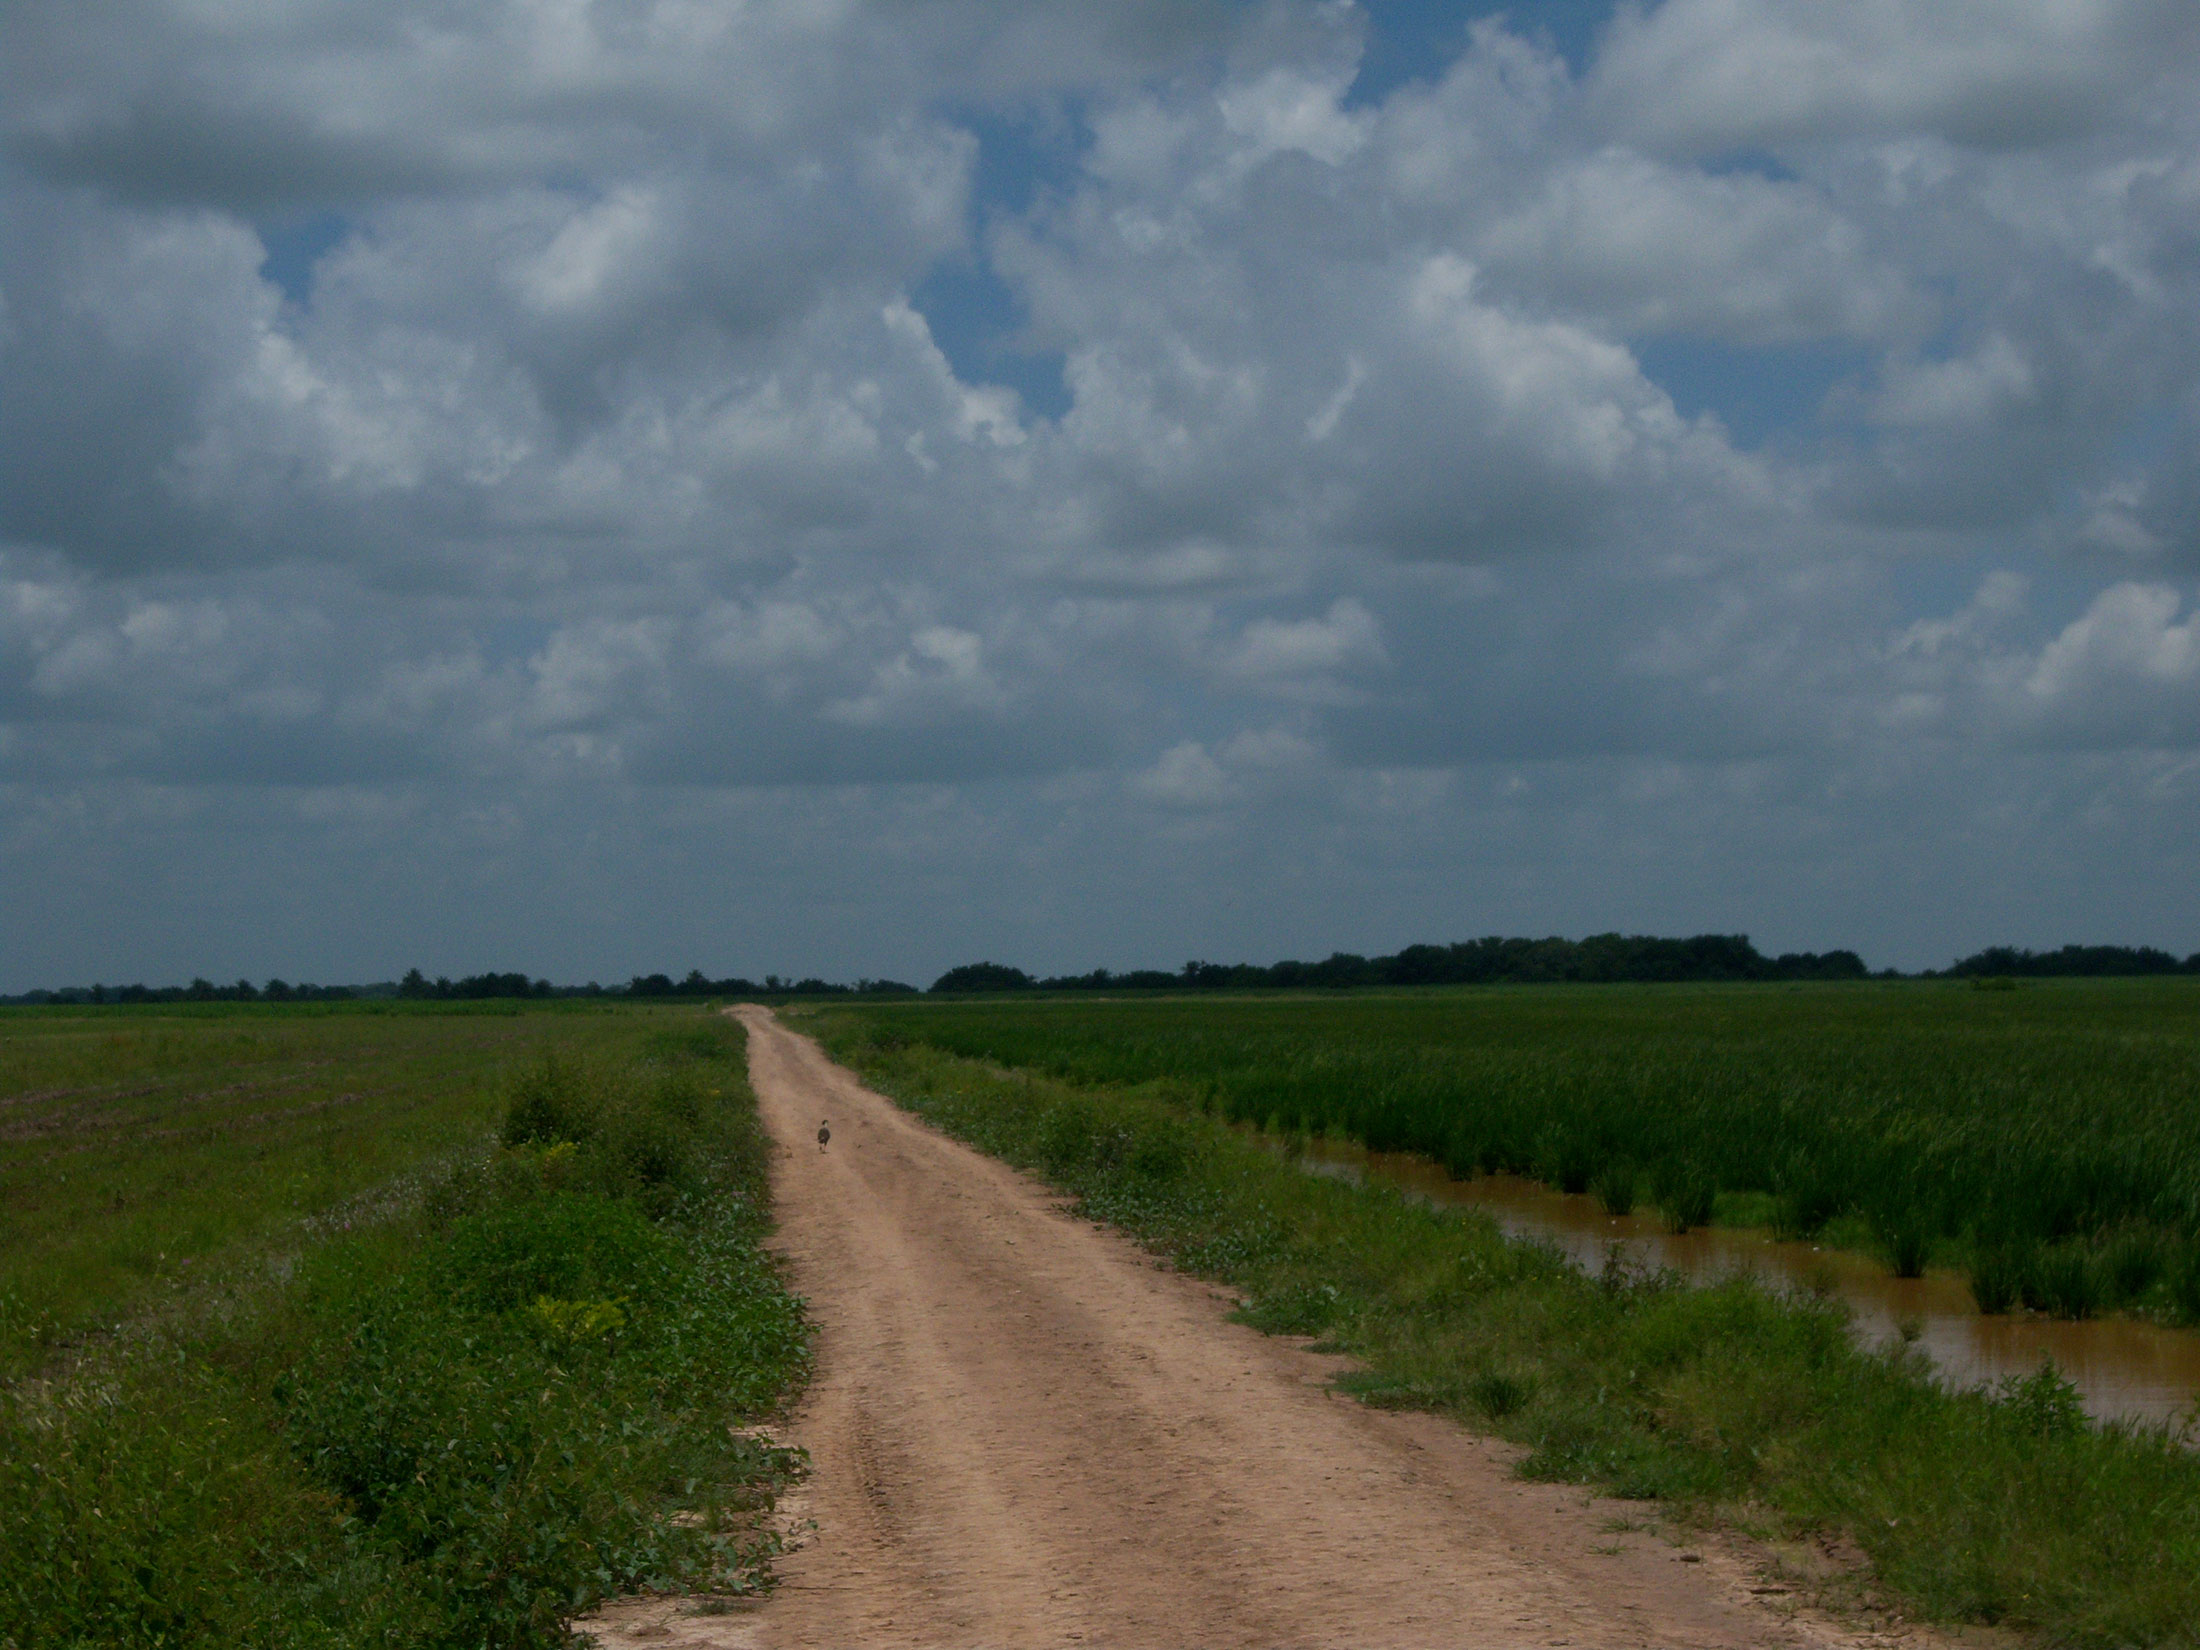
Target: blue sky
pixel 619 486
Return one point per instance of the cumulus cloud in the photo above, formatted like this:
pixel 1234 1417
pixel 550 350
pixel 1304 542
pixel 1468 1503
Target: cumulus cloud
pixel 1653 248
pixel 622 429
pixel 1697 75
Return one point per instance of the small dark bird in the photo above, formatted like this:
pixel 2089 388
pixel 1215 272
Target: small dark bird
pixel 823 1134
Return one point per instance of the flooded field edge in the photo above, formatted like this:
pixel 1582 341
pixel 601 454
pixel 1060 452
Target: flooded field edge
pixel 2124 1368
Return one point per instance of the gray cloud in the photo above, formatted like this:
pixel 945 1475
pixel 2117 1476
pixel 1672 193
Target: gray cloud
pixel 1708 75
pixel 607 477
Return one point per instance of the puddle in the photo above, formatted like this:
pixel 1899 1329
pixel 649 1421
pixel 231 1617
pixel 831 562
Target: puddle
pixel 2122 1368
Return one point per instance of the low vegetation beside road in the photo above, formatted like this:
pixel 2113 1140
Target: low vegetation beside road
pixel 1730 1403
pixel 504 1381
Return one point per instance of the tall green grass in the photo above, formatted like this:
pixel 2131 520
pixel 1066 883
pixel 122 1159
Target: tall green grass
pixel 458 1425
pixel 2005 1507
pixel 1941 1123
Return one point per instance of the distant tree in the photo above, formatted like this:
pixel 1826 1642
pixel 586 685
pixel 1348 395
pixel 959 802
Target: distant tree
pixel 2077 961
pixel 983 976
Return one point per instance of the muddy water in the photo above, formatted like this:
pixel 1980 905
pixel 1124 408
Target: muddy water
pixel 2122 1368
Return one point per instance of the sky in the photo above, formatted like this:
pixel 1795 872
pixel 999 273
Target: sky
pixel 600 486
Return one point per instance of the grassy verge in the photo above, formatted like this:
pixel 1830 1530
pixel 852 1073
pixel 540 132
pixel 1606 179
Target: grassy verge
pixel 459 1425
pixel 1730 1402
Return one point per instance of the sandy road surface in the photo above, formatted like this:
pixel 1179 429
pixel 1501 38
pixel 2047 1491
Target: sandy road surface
pixel 1025 1433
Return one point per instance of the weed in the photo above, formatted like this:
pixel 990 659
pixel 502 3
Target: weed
pixel 2043 1404
pixel 1497 1393
pixel 1615 1187
pixel 1295 1309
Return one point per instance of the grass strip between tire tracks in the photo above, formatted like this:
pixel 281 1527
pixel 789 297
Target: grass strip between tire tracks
pixel 1732 1403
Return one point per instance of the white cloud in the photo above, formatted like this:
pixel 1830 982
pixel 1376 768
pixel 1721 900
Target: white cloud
pixel 1970 389
pixel 605 245
pixel 940 673
pixel 589 674
pixel 1295 655
pixel 1285 111
pixel 2128 636
pixel 1185 776
pixel 1656 248
pixel 1697 75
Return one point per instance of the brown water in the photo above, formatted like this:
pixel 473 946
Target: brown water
pixel 2122 1368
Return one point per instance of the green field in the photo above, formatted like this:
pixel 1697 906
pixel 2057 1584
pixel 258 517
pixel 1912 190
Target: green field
pixel 141 1149
pixel 346 1327
pixel 2045 1137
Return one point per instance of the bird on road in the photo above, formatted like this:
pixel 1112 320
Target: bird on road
pixel 824 1133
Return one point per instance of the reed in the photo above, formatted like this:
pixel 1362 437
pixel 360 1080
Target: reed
pixel 1998 1276
pixel 1686 1194
pixel 1905 1232
pixel 2065 1280
pixel 1615 1187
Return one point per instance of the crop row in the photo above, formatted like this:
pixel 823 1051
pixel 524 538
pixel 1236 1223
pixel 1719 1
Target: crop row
pixel 2048 1139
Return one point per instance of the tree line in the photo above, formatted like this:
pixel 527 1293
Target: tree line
pixel 1599 959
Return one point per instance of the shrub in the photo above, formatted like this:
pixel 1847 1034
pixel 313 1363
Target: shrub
pixel 1067 1137
pixel 1162 1151
pixel 549 1101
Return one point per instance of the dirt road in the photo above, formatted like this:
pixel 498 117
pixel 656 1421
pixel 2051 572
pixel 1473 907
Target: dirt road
pixel 1025 1433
